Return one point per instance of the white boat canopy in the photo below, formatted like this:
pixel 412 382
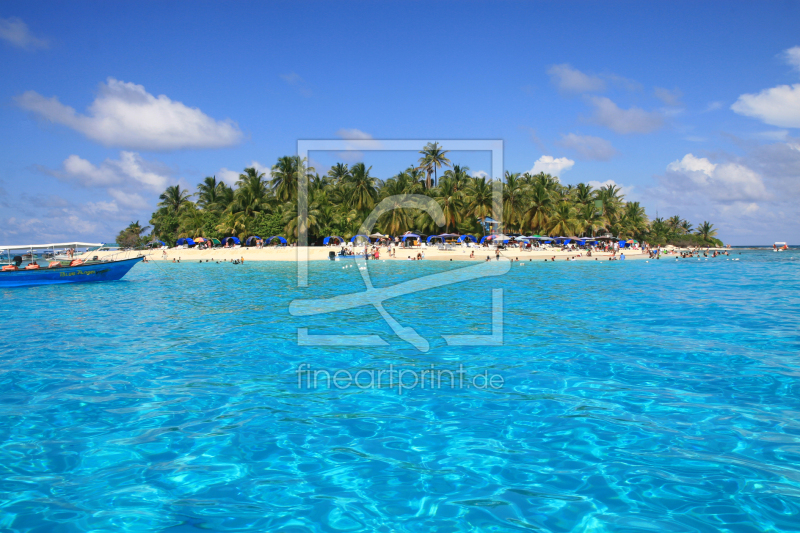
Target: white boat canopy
pixel 55 245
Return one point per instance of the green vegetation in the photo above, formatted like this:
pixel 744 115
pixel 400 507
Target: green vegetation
pixel 340 200
pixel 133 236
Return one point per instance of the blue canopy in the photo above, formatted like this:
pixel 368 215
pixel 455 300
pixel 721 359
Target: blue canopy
pixel 622 244
pixel 464 237
pixel 181 242
pixel 435 237
pixel 251 239
pixel 326 240
pixel 234 240
pixel 366 238
pixel 162 243
pixel 413 235
pixel 281 239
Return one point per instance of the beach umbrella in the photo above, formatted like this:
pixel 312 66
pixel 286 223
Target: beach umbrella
pixel 200 239
pixel 630 241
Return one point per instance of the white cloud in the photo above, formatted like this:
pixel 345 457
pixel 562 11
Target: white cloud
pixel 751 198
pixel 713 106
pixel 778 106
pixel 792 57
pixel 625 190
pixel 298 83
pixel 774 135
pixel 723 182
pixel 588 147
pixel 16 32
pixel 480 174
pixel 671 98
pixel 124 114
pixel 570 79
pixel 129 200
pixel 361 141
pixel 550 165
pixel 625 121
pixel 230 177
pixel 129 169
pixel 353 133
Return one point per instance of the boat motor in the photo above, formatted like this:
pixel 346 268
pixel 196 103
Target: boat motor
pixel 17 261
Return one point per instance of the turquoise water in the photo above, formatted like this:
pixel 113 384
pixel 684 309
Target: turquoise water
pixel 660 396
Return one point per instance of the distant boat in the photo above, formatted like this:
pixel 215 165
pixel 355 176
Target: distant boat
pixel 779 247
pixel 56 272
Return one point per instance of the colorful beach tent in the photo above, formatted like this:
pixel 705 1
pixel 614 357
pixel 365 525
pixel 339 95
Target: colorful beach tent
pixel 281 239
pixel 326 240
pixel 252 241
pixel 465 237
pixel 355 237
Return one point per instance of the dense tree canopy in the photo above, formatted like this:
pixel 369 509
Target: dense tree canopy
pixel 339 201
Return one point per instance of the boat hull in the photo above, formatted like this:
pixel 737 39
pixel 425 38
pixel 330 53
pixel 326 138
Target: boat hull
pixel 110 271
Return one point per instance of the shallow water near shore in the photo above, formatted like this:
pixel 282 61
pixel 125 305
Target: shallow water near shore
pixel 637 396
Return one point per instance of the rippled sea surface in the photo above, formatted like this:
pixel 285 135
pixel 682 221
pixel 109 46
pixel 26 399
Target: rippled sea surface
pixel 637 396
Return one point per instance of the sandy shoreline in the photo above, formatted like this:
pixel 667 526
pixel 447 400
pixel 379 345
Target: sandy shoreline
pixel 320 253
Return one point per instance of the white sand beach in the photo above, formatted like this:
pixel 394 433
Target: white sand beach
pixel 320 253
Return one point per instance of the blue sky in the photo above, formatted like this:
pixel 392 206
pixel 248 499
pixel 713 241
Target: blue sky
pixel 693 108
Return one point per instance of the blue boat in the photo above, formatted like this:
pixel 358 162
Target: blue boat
pixel 82 273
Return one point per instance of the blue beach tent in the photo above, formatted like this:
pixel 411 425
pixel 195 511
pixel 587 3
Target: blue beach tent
pixel 435 237
pixel 338 240
pixel 356 237
pixel 281 239
pixel 231 240
pixel 465 237
pixel 251 241
pixel 412 235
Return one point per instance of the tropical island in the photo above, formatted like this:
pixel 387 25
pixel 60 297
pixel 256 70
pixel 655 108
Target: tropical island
pixel 341 199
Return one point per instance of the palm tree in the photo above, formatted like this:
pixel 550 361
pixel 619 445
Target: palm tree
pixel 286 175
pixel 450 200
pixel 192 223
pixel 634 220
pixel 589 219
pixel 537 213
pixel 207 192
pixel 480 200
pixel 584 193
pixel 513 198
pixel 460 176
pixel 433 157
pixel 174 198
pixel 686 227
pixel 251 199
pixel 362 188
pixel 131 237
pixel 339 172
pixel 563 220
pixel 706 230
